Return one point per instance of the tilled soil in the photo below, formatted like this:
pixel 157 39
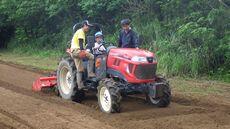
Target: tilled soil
pixel 20 108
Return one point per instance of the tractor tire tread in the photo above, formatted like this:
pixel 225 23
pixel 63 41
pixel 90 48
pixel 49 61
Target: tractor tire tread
pixel 76 95
pixel 115 93
pixel 166 99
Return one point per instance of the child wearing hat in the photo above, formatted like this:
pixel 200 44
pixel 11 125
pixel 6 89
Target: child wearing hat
pixel 98 45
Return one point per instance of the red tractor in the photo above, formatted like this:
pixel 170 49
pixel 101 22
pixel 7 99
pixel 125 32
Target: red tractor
pixel 119 72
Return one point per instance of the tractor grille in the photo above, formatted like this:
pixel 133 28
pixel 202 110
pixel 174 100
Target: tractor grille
pixel 146 71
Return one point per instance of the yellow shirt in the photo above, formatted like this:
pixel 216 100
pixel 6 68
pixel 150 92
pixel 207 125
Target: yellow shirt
pixel 80 34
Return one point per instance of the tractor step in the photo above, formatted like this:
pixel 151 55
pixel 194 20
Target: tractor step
pixel 44 82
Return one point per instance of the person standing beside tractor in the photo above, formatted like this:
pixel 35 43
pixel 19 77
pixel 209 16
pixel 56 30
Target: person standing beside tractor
pixel 127 37
pixel 79 51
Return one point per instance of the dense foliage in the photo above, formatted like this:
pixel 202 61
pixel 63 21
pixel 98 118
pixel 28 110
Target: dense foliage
pixel 190 37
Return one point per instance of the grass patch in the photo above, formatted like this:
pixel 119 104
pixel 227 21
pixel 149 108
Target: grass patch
pixel 198 87
pixel 40 61
pixel 48 61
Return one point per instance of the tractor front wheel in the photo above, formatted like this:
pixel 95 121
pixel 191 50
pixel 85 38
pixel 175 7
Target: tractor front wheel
pixel 165 99
pixel 109 96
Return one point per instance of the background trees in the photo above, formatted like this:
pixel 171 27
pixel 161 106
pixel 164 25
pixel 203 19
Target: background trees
pixel 189 36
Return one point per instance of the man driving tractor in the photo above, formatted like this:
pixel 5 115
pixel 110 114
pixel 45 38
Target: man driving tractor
pixel 79 51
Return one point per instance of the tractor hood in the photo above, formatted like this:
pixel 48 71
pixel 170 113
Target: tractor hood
pixel 129 53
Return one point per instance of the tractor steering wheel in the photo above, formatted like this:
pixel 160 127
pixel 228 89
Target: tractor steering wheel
pixel 102 45
pixel 102 51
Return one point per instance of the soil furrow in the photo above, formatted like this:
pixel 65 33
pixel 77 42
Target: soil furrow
pixel 42 110
pixel 16 118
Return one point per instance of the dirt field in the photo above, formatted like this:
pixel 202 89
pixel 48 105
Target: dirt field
pixel 21 108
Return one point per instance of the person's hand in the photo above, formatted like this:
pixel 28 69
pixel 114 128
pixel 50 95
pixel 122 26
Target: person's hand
pixel 95 48
pixel 88 50
pixel 101 41
pixel 82 54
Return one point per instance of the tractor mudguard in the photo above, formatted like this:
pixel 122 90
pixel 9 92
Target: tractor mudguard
pixel 116 73
pixel 156 90
pixel 100 66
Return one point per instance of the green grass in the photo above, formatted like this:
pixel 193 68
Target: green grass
pixel 48 62
pixel 198 87
pixel 41 61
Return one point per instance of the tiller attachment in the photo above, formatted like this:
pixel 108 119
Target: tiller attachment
pixel 44 82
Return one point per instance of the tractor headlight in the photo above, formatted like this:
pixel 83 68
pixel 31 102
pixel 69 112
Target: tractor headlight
pixel 139 59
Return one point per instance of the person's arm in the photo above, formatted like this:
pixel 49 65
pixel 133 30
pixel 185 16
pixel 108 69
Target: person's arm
pixel 120 39
pixel 135 39
pixel 95 46
pixel 103 48
pixel 81 44
pixel 89 48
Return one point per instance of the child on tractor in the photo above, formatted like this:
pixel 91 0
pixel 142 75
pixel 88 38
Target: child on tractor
pixel 98 45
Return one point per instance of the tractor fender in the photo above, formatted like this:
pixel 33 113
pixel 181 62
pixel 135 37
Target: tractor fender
pixel 156 89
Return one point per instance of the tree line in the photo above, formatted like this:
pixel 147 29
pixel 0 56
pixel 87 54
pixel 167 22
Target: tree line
pixel 190 37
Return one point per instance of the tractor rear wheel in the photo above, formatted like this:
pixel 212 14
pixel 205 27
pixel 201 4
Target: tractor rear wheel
pixel 109 96
pixel 66 81
pixel 165 100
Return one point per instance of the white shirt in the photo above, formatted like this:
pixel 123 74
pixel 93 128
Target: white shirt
pixel 96 48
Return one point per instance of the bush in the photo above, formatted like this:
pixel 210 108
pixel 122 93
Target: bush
pixel 190 37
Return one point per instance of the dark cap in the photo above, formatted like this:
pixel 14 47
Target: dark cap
pixel 125 22
pixel 86 22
